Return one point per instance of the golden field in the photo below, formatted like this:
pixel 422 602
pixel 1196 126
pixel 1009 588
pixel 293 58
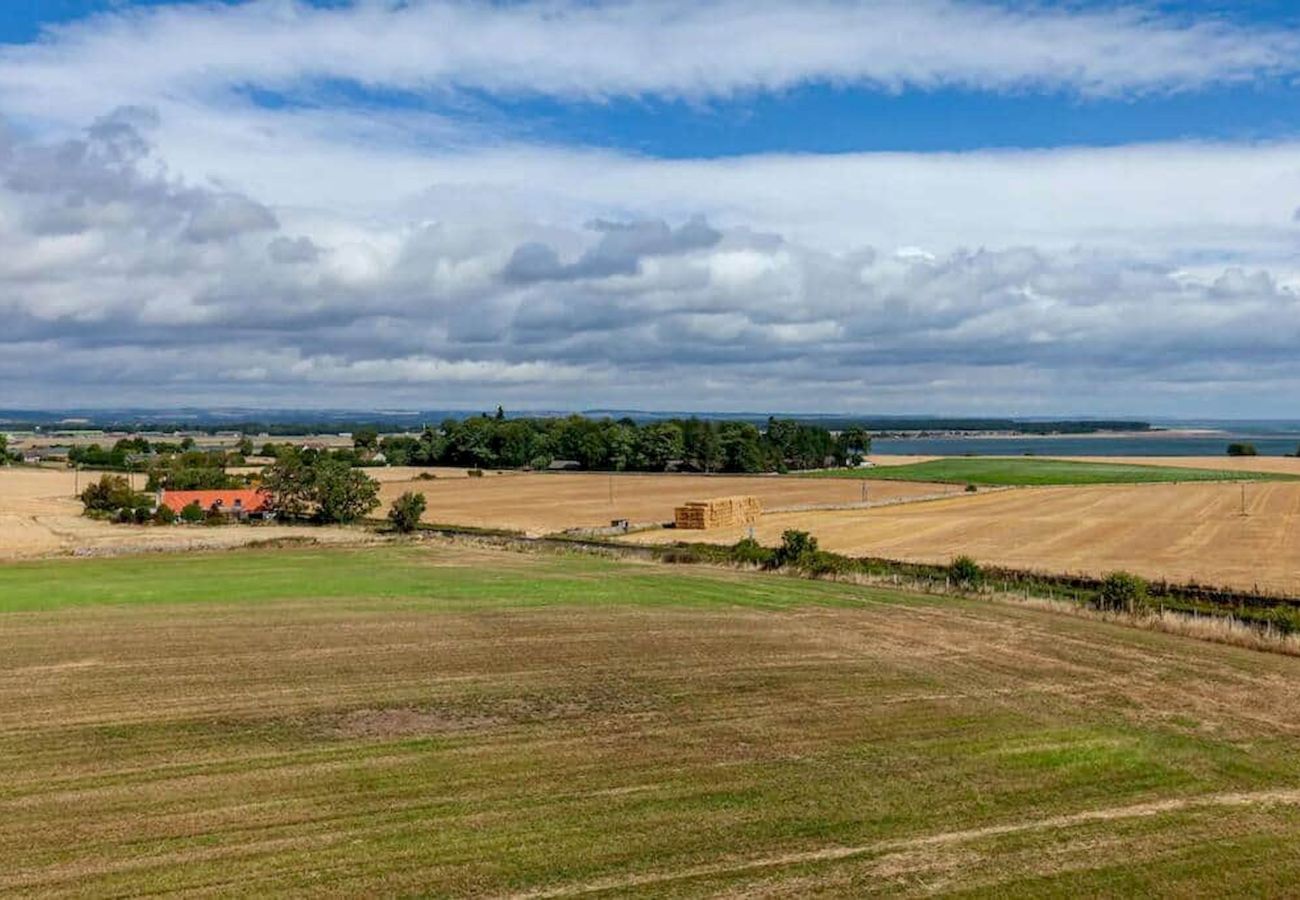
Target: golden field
pixel 1176 531
pixel 543 503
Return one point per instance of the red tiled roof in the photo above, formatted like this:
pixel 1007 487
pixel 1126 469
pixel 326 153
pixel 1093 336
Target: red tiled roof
pixel 248 500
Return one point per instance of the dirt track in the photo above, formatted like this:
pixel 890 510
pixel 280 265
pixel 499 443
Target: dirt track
pixel 1176 531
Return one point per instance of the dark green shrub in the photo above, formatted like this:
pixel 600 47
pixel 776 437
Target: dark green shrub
pixel 192 513
pixel 164 515
pixel 965 572
pixel 751 552
pixel 1241 449
pixel 796 547
pixel 406 512
pixel 970 488
pixel 823 562
pixel 1122 592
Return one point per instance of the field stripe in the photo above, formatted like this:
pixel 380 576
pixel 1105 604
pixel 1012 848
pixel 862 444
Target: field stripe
pixel 1283 796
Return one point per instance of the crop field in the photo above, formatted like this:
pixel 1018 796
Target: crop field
pixel 1183 532
pixel 438 720
pixel 541 503
pixel 1013 470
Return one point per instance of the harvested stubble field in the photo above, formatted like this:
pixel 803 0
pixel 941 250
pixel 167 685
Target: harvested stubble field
pixel 543 503
pixel 450 721
pixel 39 516
pixel 1182 532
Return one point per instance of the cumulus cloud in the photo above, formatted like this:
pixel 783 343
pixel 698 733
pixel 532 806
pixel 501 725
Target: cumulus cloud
pixel 120 303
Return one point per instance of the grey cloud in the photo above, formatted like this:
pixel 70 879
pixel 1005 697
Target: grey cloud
pixel 224 216
pixel 619 251
pixel 288 251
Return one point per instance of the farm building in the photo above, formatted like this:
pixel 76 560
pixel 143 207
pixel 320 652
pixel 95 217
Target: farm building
pixel 240 504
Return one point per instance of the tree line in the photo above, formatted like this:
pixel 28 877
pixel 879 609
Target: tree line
pixel 624 445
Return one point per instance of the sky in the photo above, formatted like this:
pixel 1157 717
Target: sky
pixel 882 206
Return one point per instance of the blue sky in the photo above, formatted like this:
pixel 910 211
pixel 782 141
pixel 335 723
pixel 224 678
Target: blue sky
pixel 873 205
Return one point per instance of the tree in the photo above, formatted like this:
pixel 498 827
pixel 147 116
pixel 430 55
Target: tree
pixel 192 513
pixel 1241 449
pixel 342 493
pixel 501 413
pixel 110 494
pixel 4 449
pixel 288 481
pixel 406 512
pixel 366 439
pixel 187 443
pixel 164 515
pixel 245 446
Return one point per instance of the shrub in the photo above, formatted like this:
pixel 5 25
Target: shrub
pixel 193 513
pixel 475 473
pixel 1122 592
pixel 406 511
pixel 1240 449
pixel 823 562
pixel 796 547
pixel 164 515
pixel 965 572
pixel 110 493
pixel 752 552
pixel 971 488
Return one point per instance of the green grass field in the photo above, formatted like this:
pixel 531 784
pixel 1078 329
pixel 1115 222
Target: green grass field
pixel 1008 471
pixel 453 721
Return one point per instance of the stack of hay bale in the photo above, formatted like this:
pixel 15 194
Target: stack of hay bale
pixel 720 512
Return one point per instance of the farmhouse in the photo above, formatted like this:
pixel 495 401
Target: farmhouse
pixel 239 504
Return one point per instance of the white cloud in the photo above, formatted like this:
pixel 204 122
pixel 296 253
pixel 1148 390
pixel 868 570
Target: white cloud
pixel 640 310
pixel 672 48
pixel 196 247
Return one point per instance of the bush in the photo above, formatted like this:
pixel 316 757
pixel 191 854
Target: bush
pixel 164 515
pixel 406 512
pixel 970 488
pixel 1122 592
pixel 965 572
pixel 475 473
pixel 1242 450
pixel 823 562
pixel 750 551
pixel 192 514
pixel 110 494
pixel 796 548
